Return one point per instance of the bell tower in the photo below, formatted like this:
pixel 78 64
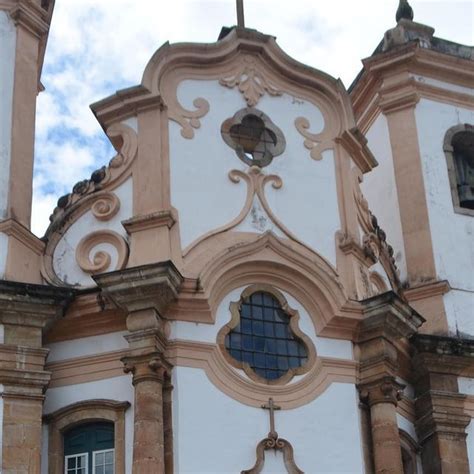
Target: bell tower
pixel 24 26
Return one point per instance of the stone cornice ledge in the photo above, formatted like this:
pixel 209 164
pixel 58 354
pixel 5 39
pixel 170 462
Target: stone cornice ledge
pixel 389 316
pixel 444 345
pixel 32 305
pixel 30 16
pixel 12 228
pixel 145 287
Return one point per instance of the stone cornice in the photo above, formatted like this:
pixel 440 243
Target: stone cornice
pixel 389 316
pixel 30 16
pixel 32 305
pixel 14 229
pixel 150 221
pixel 146 287
pixel 368 95
pixel 426 290
pixel 356 145
pixel 444 345
pixel 125 103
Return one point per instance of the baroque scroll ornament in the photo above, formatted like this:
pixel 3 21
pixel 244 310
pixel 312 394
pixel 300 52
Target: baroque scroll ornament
pixel 315 142
pixel 250 82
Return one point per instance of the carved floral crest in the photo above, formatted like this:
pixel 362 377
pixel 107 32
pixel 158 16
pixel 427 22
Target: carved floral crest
pixel 250 82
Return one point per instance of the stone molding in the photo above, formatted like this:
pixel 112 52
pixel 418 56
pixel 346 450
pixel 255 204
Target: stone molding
pixel 149 366
pixel 151 286
pixel 30 16
pixel 14 229
pixel 83 412
pixel 385 390
pixel 150 221
pixel 25 305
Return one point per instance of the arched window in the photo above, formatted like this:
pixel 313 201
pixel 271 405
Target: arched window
pixel 459 149
pixel 89 449
pixel 263 337
pixel 87 437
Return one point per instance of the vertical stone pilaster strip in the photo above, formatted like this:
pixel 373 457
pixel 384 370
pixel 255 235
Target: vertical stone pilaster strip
pixel 21 450
pixel 168 426
pixel 148 436
pixel 382 397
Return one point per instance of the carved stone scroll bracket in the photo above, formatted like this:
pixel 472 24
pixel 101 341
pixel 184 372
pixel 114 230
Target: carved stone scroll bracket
pixel 250 82
pixel 105 206
pixel 189 119
pixel 315 142
pixel 277 444
pixel 101 260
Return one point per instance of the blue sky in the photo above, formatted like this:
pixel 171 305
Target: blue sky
pixel 96 48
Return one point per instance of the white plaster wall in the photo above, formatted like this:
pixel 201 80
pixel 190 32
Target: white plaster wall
pixel 325 347
pixel 117 388
pixel 64 258
pixel 85 346
pixel 466 385
pixel 470 444
pixel 7 67
pixel 206 198
pixel 221 436
pixel 452 233
pixel 380 190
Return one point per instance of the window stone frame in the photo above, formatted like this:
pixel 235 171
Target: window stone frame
pixel 87 411
pixel 294 318
pixel 449 153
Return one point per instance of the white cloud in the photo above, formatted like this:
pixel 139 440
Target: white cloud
pixel 97 47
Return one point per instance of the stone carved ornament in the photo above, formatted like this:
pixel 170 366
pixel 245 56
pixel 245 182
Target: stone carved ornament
pixel 251 83
pixel 374 241
pixel 93 194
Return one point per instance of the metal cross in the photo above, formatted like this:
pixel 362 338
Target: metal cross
pixel 240 14
pixel 272 407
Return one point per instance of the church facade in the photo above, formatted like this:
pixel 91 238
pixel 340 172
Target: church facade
pixel 273 273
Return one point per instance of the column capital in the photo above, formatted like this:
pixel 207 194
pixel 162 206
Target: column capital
pixel 384 390
pixel 150 366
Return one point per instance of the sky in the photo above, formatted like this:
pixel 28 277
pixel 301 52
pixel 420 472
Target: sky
pixel 97 47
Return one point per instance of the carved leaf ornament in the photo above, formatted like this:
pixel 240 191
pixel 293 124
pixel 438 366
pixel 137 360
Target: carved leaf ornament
pixel 250 82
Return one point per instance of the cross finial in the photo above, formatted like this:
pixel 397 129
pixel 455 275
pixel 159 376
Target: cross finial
pixel 272 407
pixel 240 14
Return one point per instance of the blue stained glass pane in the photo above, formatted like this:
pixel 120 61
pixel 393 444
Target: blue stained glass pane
pixel 292 348
pixel 268 329
pixel 259 344
pixel 280 330
pixel 257 312
pixel 246 326
pixel 259 360
pixel 245 311
pixel 271 362
pixel 283 363
pixel 258 328
pixel 270 346
pixel 247 344
pixel 256 298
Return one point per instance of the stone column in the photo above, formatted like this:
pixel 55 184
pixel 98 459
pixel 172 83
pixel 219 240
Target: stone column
pixel 145 293
pixel 387 319
pixel 441 417
pixel 148 437
pixel 25 312
pixel 382 397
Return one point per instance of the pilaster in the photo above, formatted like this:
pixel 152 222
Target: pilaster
pixel 441 418
pixel 145 293
pixel 387 320
pixel 26 311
